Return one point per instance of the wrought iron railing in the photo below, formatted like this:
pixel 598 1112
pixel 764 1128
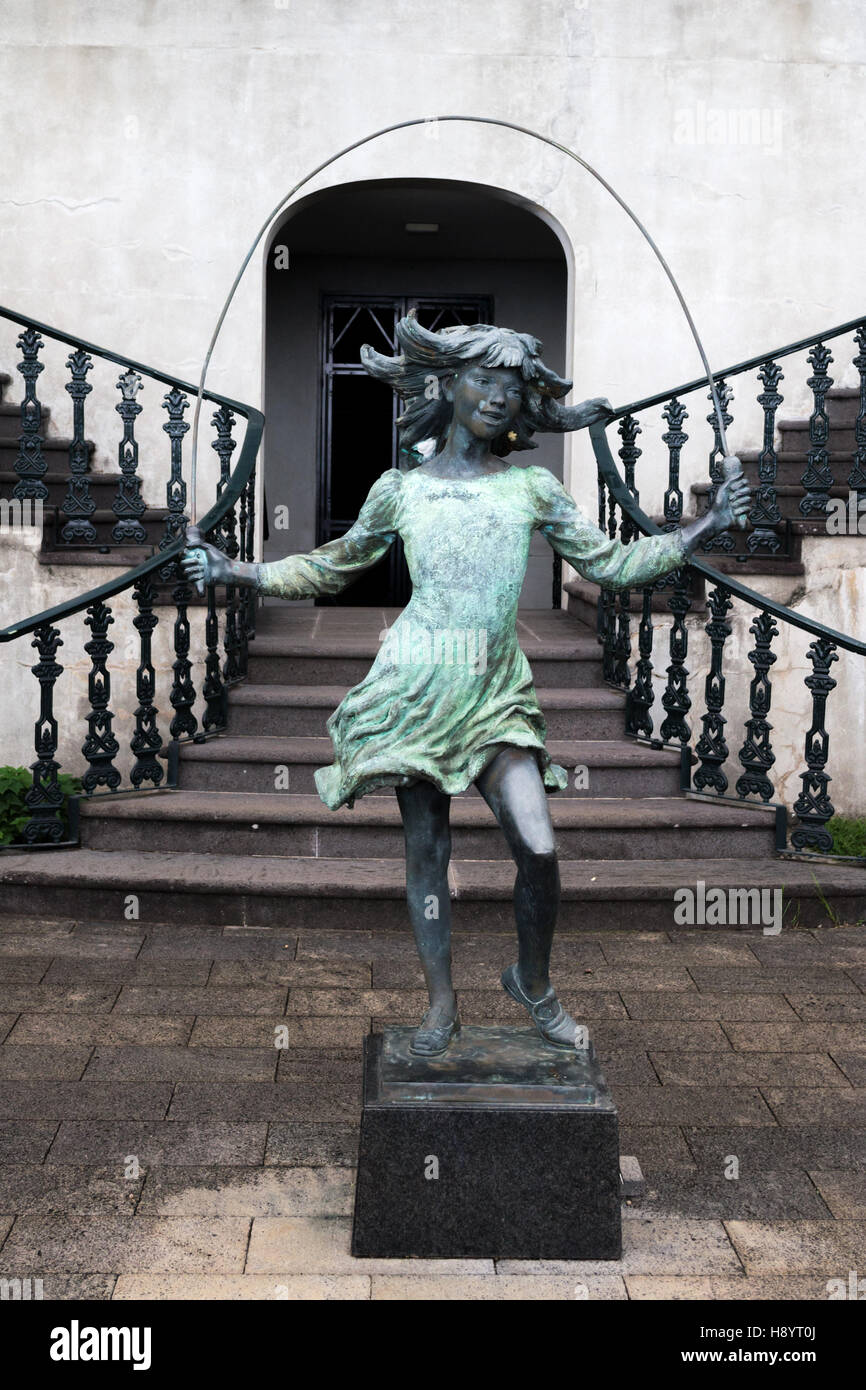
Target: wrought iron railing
pixel 198 704
pixel 619 509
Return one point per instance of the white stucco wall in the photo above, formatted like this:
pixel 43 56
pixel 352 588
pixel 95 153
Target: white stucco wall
pixel 144 144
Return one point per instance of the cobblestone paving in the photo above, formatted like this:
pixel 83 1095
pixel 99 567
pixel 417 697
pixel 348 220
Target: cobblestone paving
pixel 155 1143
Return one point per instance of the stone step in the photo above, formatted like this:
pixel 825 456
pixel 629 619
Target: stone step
pixel 230 763
pixel 788 499
pixel 103 486
pixel 366 894
pixel 794 437
pixel 103 521
pixel 286 710
pixel 843 404
pixel 284 659
pixel 791 465
pixel 280 824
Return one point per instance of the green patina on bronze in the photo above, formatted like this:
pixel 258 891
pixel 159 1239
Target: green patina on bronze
pixel 450 685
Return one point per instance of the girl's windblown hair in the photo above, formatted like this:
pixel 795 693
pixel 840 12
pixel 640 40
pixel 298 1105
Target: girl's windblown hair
pixel 428 357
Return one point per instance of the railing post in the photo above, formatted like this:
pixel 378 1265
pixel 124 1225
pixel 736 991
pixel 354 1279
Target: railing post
pixel 231 640
pixel 857 476
pixel 100 746
pixel 818 476
pixel 78 505
pixel 44 799
pixel 629 453
pixel 146 742
pixel 30 464
pixel 128 506
pixel 765 512
pixel 641 696
pixel 723 540
pixel 756 754
pixel 711 748
pixel 213 689
pixel 813 806
pixel 676 697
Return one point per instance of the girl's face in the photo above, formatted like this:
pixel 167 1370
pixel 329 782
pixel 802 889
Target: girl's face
pixel 486 399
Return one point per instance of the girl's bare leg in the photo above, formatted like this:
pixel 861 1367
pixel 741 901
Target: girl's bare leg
pixel 512 787
pixel 428 850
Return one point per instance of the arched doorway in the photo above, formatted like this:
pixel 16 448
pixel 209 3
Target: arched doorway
pixel 340 271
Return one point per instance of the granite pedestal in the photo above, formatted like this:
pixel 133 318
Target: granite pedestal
pixel 501 1148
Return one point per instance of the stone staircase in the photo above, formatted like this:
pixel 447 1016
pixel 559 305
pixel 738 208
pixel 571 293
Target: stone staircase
pixel 842 405
pixel 227 848
pixel 103 490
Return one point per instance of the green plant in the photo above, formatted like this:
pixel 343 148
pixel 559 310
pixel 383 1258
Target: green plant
pixel 849 835
pixel 15 782
pixel 833 915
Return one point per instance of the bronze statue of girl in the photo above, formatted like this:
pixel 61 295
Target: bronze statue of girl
pixel 431 727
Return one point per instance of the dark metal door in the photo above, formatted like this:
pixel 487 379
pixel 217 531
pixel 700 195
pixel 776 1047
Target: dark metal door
pixel 358 434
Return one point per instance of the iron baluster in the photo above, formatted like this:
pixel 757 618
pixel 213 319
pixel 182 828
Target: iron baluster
pixel 175 402
pixel 711 748
pixel 146 742
pixel 182 697
pixel 857 476
pixel 231 666
pixel 223 420
pixel 765 514
pixel 128 506
pixel 818 476
pixel 30 464
pixel 676 697
pixel 44 799
pixel 641 697
pixel 675 437
pixel 622 641
pixel 100 747
pixel 629 452
pixel 813 807
pixel 78 505
pixel 213 689
pixel 756 754
pixel 723 540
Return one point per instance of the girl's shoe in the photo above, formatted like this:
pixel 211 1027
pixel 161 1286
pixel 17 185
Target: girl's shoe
pixel 553 1023
pixel 435 1033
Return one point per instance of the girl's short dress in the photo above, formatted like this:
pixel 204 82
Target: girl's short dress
pixel 450 686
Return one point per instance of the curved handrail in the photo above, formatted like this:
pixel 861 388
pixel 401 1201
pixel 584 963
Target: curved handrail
pixel 611 475
pixel 231 492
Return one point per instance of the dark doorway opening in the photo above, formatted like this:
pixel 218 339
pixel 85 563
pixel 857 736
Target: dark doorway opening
pixel 352 458
pixel 459 250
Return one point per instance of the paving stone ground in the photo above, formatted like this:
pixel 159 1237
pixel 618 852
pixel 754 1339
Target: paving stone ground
pixel 156 1143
